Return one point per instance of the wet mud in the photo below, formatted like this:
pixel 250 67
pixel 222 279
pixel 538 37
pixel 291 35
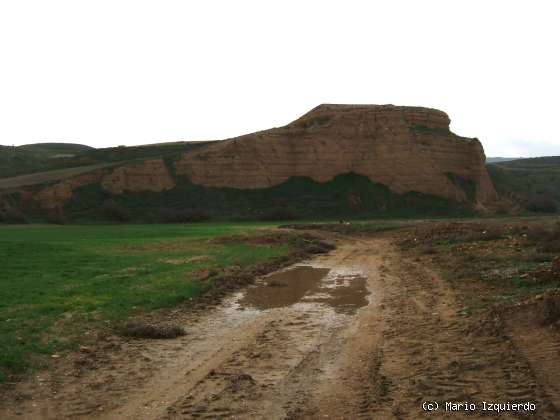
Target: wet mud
pixel 345 292
pixel 360 333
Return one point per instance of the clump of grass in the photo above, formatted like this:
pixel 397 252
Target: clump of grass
pixel 140 329
pixel 319 247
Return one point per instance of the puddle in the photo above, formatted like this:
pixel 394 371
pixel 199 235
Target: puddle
pixel 346 296
pixel 343 290
pixel 284 288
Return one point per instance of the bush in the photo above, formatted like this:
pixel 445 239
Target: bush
pixel 279 213
pixel 542 203
pixel 56 216
pixel 115 211
pixel 12 215
pixel 166 215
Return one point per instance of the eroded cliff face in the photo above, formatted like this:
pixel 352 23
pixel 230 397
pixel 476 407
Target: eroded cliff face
pixel 58 194
pixel 149 175
pixel 405 148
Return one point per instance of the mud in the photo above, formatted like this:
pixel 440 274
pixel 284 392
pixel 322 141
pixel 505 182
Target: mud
pixel 363 332
pixel 338 289
pixel 284 288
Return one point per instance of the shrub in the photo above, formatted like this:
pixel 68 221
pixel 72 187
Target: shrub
pixel 542 203
pixel 138 329
pixel 12 215
pixel 56 216
pixel 279 213
pixel 115 211
pixel 167 215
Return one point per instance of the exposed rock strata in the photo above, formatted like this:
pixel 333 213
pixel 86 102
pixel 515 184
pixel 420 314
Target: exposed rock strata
pixel 150 175
pixel 405 148
pixel 58 194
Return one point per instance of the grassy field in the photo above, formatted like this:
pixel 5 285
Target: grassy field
pixel 57 281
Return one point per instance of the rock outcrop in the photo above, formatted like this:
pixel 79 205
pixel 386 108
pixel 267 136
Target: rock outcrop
pixel 405 148
pixel 58 194
pixel 150 175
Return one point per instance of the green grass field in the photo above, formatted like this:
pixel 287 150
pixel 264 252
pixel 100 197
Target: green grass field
pixel 58 281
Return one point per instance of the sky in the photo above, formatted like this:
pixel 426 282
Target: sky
pixel 108 73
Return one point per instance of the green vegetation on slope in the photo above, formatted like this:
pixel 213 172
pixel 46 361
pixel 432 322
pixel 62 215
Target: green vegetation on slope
pixel 465 184
pixel 53 149
pixel 526 179
pixel 56 281
pixel 348 195
pixel 28 159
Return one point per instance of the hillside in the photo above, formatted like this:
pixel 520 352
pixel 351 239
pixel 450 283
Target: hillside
pixel 500 159
pixel 43 157
pixel 527 179
pixel 55 149
pixel 31 158
pixel 336 160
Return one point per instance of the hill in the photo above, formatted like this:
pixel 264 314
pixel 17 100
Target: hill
pixel 500 159
pixel 44 157
pixel 336 160
pixel 54 149
pixel 527 180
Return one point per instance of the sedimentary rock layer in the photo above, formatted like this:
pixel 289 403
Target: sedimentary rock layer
pixel 149 175
pixel 405 148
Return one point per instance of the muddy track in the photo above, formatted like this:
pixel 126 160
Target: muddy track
pixel 360 333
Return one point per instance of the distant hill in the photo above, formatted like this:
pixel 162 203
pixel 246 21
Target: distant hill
pixel 44 157
pixel 501 159
pixel 53 149
pixel 524 179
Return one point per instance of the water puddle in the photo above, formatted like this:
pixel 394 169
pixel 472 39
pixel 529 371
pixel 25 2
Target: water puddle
pixel 344 291
pixel 284 288
pixel 345 294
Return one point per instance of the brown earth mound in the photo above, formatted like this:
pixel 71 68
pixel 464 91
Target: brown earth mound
pixel 405 148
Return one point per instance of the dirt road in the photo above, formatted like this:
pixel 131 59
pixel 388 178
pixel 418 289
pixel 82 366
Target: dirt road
pixel 362 332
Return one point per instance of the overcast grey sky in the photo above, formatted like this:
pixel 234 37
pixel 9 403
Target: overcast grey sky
pixel 116 72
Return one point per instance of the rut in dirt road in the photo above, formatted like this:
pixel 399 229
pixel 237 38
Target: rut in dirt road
pixel 360 333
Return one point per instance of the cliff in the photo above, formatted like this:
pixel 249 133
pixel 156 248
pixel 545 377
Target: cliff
pixel 405 148
pixel 149 175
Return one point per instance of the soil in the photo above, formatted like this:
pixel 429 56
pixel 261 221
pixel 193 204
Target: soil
pixel 366 331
